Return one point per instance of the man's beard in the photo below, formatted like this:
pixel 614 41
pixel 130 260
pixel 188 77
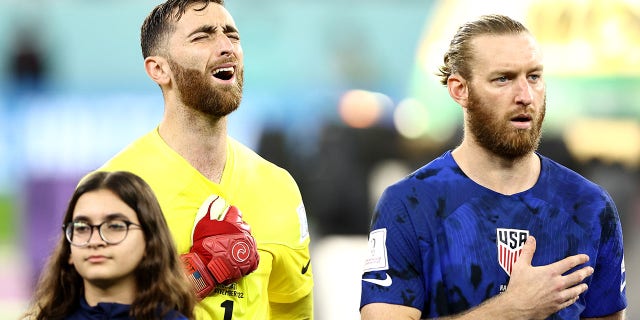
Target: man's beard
pixel 198 92
pixel 498 135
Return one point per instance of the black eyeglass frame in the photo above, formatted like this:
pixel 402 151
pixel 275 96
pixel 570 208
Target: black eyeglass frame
pixel 69 233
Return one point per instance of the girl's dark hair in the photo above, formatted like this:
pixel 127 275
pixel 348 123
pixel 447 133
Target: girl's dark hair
pixel 459 57
pixel 161 281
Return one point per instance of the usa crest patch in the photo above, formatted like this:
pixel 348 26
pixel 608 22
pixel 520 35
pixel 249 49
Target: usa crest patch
pixel 510 243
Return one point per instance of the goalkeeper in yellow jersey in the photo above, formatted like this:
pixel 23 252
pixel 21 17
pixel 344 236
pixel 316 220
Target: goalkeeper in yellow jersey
pixel 238 220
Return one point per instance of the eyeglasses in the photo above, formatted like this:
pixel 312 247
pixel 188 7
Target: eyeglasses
pixel 111 231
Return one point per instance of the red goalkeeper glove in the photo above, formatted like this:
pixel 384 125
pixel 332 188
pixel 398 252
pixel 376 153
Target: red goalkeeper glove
pixel 223 249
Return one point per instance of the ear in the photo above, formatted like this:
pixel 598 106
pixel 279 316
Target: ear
pixel 458 89
pixel 158 69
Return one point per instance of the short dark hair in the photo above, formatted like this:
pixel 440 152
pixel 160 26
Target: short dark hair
pixel 457 59
pixel 159 23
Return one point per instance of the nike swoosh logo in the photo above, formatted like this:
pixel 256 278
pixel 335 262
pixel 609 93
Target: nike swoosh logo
pixel 305 268
pixel 381 282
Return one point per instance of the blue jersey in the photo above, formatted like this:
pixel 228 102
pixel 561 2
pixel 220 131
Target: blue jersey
pixel 443 244
pixel 111 311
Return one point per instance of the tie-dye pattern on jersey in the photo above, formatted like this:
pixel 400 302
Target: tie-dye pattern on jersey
pixel 443 249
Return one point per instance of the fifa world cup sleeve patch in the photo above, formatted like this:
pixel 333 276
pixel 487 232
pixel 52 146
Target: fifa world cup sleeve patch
pixel 304 227
pixel 376 256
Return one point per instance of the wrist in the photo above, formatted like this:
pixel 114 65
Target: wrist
pixel 198 275
pixel 502 306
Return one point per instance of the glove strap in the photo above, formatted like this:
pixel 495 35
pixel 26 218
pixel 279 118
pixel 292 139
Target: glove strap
pixel 198 275
pixel 220 269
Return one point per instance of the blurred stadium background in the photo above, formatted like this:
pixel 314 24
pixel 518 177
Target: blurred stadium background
pixel 341 93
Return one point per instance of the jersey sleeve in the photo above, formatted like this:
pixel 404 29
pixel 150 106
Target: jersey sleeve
pixel 290 282
pixel 393 265
pixel 293 277
pixel 607 289
pixel 282 232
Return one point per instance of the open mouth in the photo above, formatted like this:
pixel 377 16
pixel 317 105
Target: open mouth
pixel 224 73
pixel 521 118
pixel 522 121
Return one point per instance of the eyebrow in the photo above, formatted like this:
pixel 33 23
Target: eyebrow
pixel 207 28
pixel 111 216
pixel 510 72
pixel 539 67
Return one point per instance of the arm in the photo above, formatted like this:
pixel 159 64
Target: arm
pixel 492 309
pixel 606 298
pixel 533 292
pixel 383 311
pixel 301 309
pixel 290 290
pixel 616 316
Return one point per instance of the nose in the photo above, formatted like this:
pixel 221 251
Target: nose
pixel 95 238
pixel 224 45
pixel 524 94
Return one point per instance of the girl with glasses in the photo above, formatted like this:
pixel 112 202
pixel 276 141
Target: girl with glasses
pixel 115 258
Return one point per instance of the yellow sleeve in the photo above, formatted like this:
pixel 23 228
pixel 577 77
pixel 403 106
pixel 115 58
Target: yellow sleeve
pixel 292 278
pixel 300 309
pixel 291 284
pixel 274 209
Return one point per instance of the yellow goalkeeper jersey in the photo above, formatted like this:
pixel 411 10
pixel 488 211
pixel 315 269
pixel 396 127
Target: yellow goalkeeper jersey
pixel 271 204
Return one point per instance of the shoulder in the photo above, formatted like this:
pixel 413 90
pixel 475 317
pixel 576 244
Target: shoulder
pixel 134 154
pixel 250 162
pixel 567 179
pixel 267 195
pixel 567 189
pixel 248 156
pixel 435 175
pixel 153 160
pixel 420 193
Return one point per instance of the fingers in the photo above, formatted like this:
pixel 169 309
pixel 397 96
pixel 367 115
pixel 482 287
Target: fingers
pixel 211 209
pixel 572 299
pixel 572 295
pixel 528 250
pixel 578 276
pixel 568 263
pixel 573 286
pixel 217 208
pixel 233 215
pixel 576 291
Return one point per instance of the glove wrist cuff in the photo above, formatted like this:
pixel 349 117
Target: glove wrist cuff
pixel 198 274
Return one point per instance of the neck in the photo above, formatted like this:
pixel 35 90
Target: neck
pixel 198 138
pixel 122 292
pixel 503 175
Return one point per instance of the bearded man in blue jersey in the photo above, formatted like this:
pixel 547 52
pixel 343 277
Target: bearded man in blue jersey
pixel 493 229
